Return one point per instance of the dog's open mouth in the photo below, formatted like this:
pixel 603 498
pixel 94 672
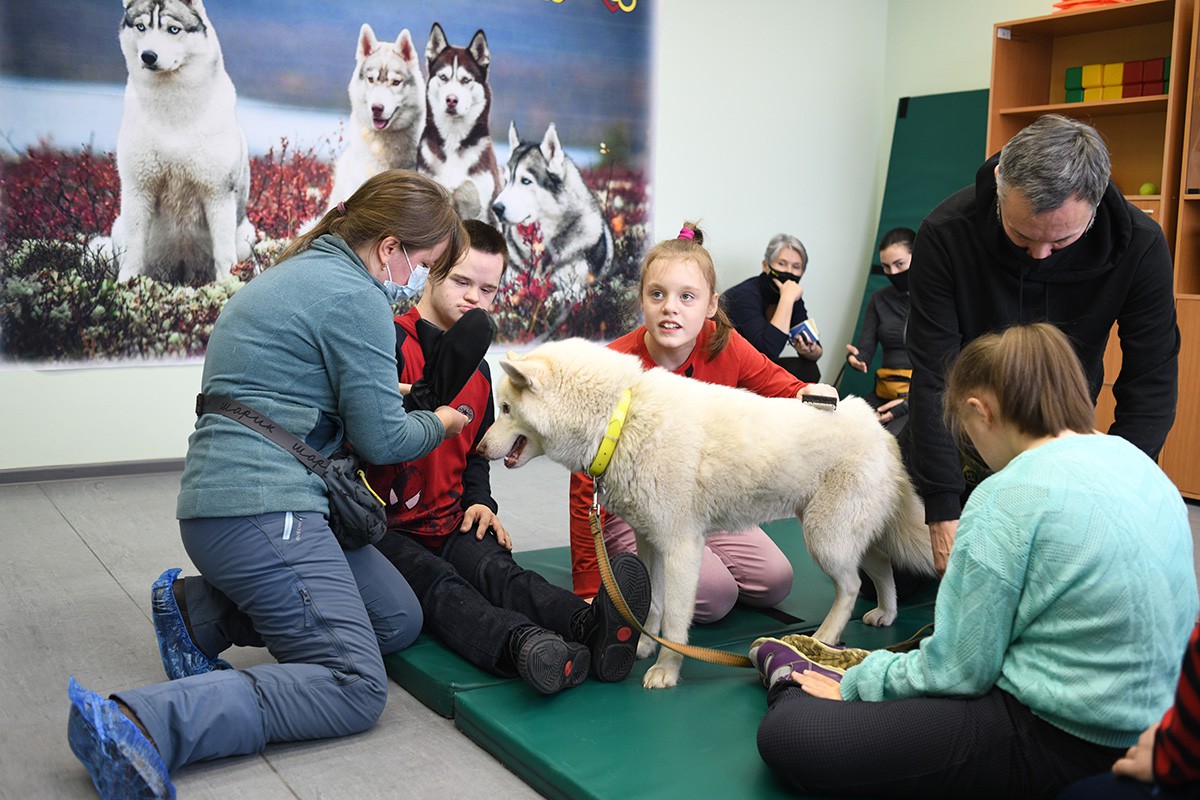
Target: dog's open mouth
pixel 381 122
pixel 514 454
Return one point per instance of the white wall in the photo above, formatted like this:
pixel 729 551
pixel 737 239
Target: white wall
pixel 939 46
pixel 768 122
pixel 771 115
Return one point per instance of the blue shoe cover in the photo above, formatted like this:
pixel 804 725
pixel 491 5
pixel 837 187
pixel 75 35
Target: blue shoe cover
pixel 122 762
pixel 180 656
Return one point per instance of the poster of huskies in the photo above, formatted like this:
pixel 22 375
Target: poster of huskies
pixel 156 155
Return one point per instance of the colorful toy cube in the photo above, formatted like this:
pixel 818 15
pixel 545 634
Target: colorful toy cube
pixel 1133 72
pixel 1074 95
pixel 1152 70
pixel 1113 74
pixel 1092 94
pixel 1131 90
pixel 1111 92
pixel 1073 80
pixel 1092 76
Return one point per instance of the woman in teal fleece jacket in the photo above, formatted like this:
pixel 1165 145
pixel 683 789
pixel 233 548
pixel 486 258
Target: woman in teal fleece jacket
pixel 309 343
pixel 1067 599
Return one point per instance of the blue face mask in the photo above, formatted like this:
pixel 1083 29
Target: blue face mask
pixel 418 275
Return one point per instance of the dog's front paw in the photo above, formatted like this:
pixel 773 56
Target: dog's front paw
pixel 646 647
pixel 879 617
pixel 660 677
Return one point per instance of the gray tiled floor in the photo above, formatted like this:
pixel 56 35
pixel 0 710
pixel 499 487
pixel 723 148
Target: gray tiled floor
pixel 78 558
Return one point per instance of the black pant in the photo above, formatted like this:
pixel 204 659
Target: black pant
pixel 981 747
pixel 473 595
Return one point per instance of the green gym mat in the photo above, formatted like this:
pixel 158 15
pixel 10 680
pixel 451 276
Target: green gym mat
pixel 695 740
pixel 436 676
pixel 616 741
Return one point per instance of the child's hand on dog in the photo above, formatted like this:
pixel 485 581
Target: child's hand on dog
pixel 823 389
pixel 483 519
pixel 818 685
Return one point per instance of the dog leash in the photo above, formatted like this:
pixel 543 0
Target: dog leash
pixel 614 593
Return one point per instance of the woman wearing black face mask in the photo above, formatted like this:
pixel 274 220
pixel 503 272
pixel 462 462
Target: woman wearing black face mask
pixel 885 323
pixel 767 308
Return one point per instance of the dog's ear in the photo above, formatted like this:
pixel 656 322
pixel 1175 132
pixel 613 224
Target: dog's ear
pixel 367 43
pixel 479 50
pixel 525 374
pixel 553 152
pixel 408 50
pixel 514 140
pixel 437 42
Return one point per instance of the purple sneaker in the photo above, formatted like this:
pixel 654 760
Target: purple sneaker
pixel 122 762
pixel 776 660
pixel 180 656
pixel 827 655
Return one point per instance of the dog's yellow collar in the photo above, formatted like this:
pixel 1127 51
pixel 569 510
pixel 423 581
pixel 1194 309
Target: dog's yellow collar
pixel 611 434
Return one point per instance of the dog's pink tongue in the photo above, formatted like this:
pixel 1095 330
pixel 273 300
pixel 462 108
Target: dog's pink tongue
pixel 379 124
pixel 510 460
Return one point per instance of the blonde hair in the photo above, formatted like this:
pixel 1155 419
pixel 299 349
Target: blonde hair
pixel 1035 376
pixel 397 202
pixel 692 247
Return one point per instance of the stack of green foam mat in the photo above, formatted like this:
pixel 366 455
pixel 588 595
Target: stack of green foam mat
pixel 619 740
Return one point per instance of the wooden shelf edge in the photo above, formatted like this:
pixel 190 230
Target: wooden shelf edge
pixel 1068 23
pixel 1127 105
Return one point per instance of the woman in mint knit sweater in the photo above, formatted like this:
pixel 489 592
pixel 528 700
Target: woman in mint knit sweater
pixel 1067 599
pixel 309 343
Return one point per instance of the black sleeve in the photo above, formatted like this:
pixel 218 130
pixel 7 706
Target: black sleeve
pixel 749 316
pixel 934 339
pixel 476 477
pixel 868 337
pixel 1147 388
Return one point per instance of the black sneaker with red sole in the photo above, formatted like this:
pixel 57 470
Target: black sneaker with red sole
pixel 612 640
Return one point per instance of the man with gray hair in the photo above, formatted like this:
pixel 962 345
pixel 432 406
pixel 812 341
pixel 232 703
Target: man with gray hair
pixel 1043 236
pixel 766 308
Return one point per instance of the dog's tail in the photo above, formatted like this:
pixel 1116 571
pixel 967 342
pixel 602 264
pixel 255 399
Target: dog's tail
pixel 905 536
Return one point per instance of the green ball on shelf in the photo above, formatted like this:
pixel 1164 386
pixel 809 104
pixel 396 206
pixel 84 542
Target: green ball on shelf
pixel 1148 188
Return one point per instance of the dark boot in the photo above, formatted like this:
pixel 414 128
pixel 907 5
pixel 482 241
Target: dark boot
pixel 545 661
pixel 451 358
pixel 612 641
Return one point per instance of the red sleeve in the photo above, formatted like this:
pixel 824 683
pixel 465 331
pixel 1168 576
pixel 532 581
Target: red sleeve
pixel 758 373
pixel 1177 743
pixel 585 570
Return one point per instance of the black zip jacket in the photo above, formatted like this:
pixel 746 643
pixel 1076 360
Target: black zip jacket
pixel 968 279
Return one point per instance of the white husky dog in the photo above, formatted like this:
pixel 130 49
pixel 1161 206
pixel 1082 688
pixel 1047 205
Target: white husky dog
pixel 545 187
pixel 693 458
pixel 387 112
pixel 181 155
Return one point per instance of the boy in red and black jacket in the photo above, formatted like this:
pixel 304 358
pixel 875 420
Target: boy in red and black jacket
pixel 443 532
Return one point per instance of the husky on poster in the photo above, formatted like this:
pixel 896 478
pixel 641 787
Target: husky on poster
pixel 161 153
